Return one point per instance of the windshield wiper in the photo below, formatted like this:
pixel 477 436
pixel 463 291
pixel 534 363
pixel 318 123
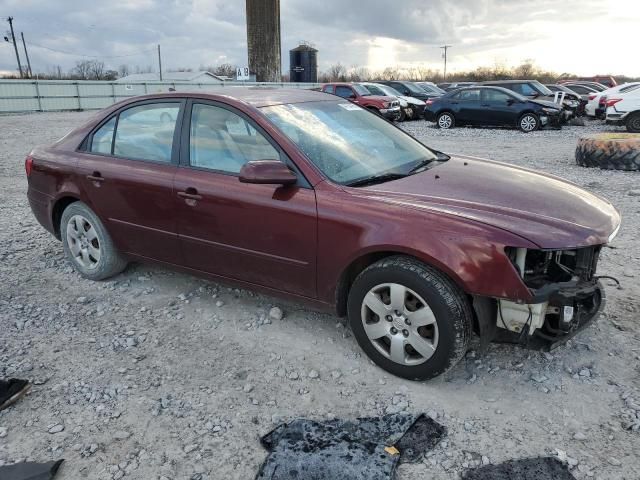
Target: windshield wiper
pixel 440 157
pixel 384 177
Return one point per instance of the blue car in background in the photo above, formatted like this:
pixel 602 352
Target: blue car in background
pixel 491 106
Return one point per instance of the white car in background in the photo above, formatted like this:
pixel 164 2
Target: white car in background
pixel 410 108
pixel 596 106
pixel 624 109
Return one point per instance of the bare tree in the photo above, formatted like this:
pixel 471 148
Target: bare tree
pixel 337 73
pixel 225 70
pixel 96 70
pixel 358 74
pixel 82 70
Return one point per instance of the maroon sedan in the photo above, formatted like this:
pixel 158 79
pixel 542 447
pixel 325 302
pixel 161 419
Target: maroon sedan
pixel 303 194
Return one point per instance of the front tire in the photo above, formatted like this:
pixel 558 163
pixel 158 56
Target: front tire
pixel 409 318
pixel 87 243
pixel 446 120
pixel 529 122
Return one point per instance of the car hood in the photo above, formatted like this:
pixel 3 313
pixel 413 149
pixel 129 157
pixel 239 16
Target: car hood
pixel 412 100
pixel 545 103
pixel 546 210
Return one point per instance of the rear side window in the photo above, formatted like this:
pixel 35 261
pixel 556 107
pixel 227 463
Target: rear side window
pixel 103 138
pixel 328 89
pixel 495 96
pixel 144 132
pixel 468 95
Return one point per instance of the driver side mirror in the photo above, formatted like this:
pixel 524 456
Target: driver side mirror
pixel 270 172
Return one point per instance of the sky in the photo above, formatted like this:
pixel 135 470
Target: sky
pixel 585 37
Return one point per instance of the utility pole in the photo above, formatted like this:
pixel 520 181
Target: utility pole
pixel 159 63
pixel 26 54
pixel 15 46
pixel 445 48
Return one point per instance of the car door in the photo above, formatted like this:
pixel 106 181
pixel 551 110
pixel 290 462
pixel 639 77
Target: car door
pixel 467 104
pixel 260 234
pixel 126 171
pixel 500 107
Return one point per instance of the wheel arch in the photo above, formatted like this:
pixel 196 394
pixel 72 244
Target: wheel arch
pixel 56 212
pixel 365 259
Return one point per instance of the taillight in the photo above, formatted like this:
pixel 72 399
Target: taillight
pixel 28 165
pixel 611 102
pixel 592 96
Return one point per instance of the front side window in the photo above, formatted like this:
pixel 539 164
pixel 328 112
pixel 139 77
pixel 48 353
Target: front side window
pixel 146 132
pixel 344 92
pixel 223 141
pixel 328 89
pixel 346 142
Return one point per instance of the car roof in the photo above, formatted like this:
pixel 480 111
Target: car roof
pixel 255 96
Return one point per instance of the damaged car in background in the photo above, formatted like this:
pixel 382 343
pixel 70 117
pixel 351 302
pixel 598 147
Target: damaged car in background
pixel 309 196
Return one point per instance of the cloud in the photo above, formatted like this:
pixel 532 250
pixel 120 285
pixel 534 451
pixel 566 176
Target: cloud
pixel 558 35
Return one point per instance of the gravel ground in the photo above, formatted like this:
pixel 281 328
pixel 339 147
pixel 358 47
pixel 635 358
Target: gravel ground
pixel 160 375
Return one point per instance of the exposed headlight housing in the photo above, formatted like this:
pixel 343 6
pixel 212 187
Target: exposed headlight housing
pixel 551 111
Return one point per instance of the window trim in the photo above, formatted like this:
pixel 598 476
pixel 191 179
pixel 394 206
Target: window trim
pixel 85 146
pixel 185 141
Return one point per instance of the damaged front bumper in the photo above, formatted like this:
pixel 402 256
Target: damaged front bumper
pixel 557 313
pixel 566 296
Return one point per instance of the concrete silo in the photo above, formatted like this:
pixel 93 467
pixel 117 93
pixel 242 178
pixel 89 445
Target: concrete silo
pixel 263 39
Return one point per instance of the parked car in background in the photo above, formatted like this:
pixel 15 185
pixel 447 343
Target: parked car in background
pixel 598 87
pixel 430 87
pixel 388 107
pixel 410 108
pixel 624 109
pixel 408 89
pixel 491 106
pixel 308 196
pixel 535 90
pixel 582 90
pixel 605 80
pixel 597 105
pixel 561 89
pixel 448 86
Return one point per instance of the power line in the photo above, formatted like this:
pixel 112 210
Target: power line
pixel 91 56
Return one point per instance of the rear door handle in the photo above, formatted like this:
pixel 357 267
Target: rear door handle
pixel 95 177
pixel 190 194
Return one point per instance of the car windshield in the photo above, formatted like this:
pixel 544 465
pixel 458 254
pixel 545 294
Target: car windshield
pixel 431 88
pixel 347 143
pixel 541 88
pixel 390 91
pixel 361 90
pixel 413 88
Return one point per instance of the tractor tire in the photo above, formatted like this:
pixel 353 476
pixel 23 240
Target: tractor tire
pixel 609 151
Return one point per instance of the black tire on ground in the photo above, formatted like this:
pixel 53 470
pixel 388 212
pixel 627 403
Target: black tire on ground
pixel 633 123
pixel 446 300
pixel 403 115
pixel 529 122
pixel 619 151
pixel 446 120
pixel 110 262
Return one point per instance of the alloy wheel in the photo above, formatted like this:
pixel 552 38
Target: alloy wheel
pixel 445 121
pixel 528 123
pixel 400 324
pixel 83 242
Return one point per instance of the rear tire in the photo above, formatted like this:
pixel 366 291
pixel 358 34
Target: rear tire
pixel 529 122
pixel 446 120
pixel 633 123
pixel 87 244
pixel 407 292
